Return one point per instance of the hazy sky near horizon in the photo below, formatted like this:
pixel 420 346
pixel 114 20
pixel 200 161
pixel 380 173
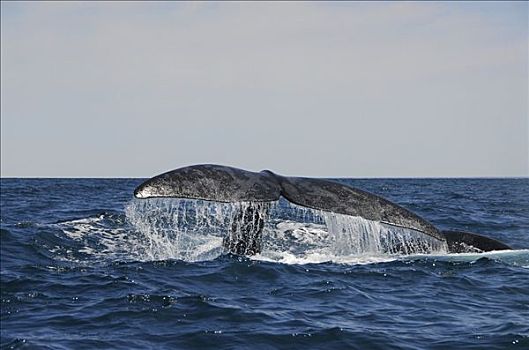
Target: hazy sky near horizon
pixel 132 89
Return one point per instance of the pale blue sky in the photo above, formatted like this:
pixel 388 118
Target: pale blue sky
pixel 411 89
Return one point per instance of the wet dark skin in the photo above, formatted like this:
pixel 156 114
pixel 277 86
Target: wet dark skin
pixel 246 231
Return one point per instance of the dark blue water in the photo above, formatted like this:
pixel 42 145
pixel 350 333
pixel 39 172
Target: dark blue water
pixel 76 273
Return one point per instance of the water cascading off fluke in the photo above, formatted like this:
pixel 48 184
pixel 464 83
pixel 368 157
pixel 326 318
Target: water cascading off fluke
pixel 171 228
pixel 358 236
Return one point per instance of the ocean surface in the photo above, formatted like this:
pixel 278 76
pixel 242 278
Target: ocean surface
pixel 86 266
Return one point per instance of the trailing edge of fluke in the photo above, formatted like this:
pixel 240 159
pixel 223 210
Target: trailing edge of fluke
pixel 227 184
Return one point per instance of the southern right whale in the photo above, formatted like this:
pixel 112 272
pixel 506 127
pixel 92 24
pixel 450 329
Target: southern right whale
pixel 227 184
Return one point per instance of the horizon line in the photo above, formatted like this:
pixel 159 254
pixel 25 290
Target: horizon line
pixel 314 177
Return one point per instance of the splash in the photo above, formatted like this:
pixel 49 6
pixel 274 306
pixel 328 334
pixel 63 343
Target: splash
pixel 196 230
pixel 190 230
pixel 302 235
pixel 358 236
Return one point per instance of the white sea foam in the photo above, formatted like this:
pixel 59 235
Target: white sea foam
pixel 516 257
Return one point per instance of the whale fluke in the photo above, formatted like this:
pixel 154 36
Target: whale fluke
pixel 467 242
pixel 226 184
pixel 211 182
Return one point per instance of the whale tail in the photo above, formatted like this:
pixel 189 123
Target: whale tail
pixel 227 184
